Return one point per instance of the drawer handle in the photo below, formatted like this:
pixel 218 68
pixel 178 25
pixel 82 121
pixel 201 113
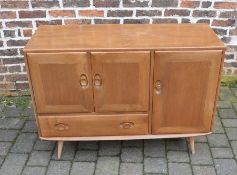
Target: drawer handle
pixel 83 81
pixel 97 81
pixel 126 125
pixel 61 126
pixel 158 87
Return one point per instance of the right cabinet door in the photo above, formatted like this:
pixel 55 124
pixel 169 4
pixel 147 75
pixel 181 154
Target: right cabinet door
pixel 185 88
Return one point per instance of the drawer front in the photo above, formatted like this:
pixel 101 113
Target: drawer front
pixel 93 125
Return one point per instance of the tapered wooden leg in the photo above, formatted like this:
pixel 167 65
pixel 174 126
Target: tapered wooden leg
pixel 191 145
pixel 60 148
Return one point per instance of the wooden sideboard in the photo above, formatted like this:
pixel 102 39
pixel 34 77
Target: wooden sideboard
pixel 118 82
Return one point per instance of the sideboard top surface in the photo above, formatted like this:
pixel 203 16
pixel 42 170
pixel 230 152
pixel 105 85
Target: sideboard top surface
pixel 123 37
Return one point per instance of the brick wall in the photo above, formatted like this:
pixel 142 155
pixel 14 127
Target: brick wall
pixel 20 19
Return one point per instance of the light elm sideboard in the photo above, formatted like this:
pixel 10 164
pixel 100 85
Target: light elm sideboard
pixel 120 82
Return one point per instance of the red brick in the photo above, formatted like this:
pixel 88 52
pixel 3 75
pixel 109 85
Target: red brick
pixel 164 3
pixel 226 39
pixel 8 52
pixel 204 13
pixel 76 3
pixel 1 78
pixel 229 56
pixel 44 4
pixel 51 22
pixel 184 20
pixel 7 15
pixel 22 86
pixel 232 48
pixel 22 24
pixel 32 14
pixel 130 3
pixel 62 13
pixel 98 13
pixel 12 69
pixel 119 13
pixel 227 64
pixel 189 4
pixel 233 31
pixel 16 77
pixel 220 31
pixel 148 13
pixel 176 12
pixel 207 21
pixel 27 33
pixel 206 4
pixel 107 21
pixel 223 23
pixel 136 21
pixel 77 21
pixel 20 42
pixel 16 60
pixel 15 4
pixel 164 20
pixel 3 69
pixel 233 64
pixel 225 5
pixel 106 3
pixel 6 87
pixel 21 51
pixel 229 14
pixel 9 33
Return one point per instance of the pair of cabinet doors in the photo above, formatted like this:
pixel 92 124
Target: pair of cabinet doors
pixel 184 85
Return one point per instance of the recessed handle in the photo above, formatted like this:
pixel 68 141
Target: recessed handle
pixel 126 125
pixel 97 81
pixel 83 81
pixel 158 87
pixel 61 126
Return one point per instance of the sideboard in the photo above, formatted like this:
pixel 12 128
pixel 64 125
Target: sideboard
pixel 121 82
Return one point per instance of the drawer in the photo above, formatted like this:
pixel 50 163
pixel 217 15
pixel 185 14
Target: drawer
pixel 93 125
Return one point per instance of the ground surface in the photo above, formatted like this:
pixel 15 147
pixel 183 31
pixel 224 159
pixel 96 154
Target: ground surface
pixel 22 153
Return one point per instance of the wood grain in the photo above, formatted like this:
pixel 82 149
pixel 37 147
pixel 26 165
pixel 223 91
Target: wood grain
pixel 93 125
pixel 119 37
pixel 125 81
pixel 126 137
pixel 189 81
pixel 56 79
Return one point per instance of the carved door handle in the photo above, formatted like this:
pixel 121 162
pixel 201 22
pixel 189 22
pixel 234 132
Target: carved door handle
pixel 61 126
pixel 126 125
pixel 97 81
pixel 158 87
pixel 83 81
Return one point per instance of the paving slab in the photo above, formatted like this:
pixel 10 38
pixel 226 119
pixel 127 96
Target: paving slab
pixel 107 166
pixel 131 168
pixel 59 168
pixel 85 168
pixel 179 168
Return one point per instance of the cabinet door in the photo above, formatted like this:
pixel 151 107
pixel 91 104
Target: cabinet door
pixel 121 81
pixel 61 82
pixel 185 87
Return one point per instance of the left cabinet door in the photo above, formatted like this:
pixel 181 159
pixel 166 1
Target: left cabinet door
pixel 61 82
